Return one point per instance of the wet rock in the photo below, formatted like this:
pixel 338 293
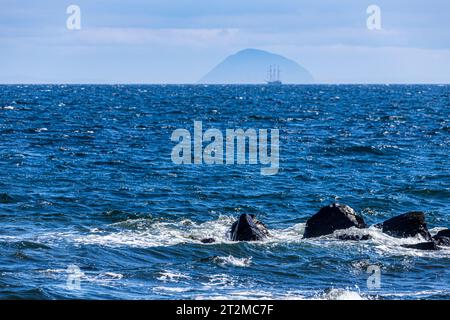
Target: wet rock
pixel 331 218
pixel 208 240
pixel 248 228
pixel 443 233
pixel 442 238
pixel 422 246
pixel 354 237
pixel 407 225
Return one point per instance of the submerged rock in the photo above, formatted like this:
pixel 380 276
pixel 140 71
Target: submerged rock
pixel 331 218
pixel 248 228
pixel 208 240
pixel 407 225
pixel 6 198
pixel 422 246
pixel 442 238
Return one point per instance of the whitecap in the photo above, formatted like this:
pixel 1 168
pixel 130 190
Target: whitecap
pixel 171 289
pixel 172 276
pixel 103 278
pixel 341 294
pixel 146 233
pixel 233 261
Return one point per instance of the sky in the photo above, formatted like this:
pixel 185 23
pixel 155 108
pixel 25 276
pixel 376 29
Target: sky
pixel 178 41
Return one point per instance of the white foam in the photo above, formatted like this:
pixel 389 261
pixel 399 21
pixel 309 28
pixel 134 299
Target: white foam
pixel 104 278
pixel 146 233
pixel 341 294
pixel 85 276
pixel 171 289
pixel 261 294
pixel 172 276
pixel 238 295
pixel 424 293
pixel 224 281
pixel 233 261
pixel 143 233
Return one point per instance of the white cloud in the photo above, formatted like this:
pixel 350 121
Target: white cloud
pixel 146 36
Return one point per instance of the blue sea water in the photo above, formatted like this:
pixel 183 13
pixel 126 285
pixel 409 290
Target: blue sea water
pixel 86 179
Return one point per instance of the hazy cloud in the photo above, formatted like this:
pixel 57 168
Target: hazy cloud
pixel 179 40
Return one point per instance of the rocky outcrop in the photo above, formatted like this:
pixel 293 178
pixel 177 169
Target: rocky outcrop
pixel 442 238
pixel 407 225
pixel 248 228
pixel 422 246
pixel 331 218
pixel 341 217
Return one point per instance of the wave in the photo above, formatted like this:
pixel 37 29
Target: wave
pixel 172 276
pixel 329 294
pixel 87 276
pixel 341 294
pixel 148 233
pixel 22 245
pixel 425 294
pixel 232 261
pixel 379 150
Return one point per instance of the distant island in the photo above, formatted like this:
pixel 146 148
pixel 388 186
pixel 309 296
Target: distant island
pixel 251 66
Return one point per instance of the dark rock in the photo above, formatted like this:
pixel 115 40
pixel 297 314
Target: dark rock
pixel 354 237
pixel 331 218
pixel 261 226
pixel 444 241
pixel 6 198
pixel 378 225
pixel 443 233
pixel 442 238
pixel 422 246
pixel 407 225
pixel 208 240
pixel 248 228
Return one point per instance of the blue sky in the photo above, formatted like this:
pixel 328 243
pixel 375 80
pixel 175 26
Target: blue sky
pixel 178 41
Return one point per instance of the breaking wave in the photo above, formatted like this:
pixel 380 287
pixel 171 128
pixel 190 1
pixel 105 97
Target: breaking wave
pixel 146 233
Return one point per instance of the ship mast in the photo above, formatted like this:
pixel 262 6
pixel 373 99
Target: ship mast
pixel 274 74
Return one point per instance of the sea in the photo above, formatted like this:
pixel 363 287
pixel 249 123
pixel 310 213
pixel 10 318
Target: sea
pixel 92 205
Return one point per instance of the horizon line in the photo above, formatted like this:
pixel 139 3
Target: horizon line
pixel 215 84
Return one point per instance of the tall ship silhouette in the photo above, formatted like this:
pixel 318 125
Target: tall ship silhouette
pixel 274 76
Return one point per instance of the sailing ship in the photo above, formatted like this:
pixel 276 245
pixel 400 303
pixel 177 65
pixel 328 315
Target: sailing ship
pixel 274 76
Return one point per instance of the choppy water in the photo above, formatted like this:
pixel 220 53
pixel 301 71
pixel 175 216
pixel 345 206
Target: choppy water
pixel 86 179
